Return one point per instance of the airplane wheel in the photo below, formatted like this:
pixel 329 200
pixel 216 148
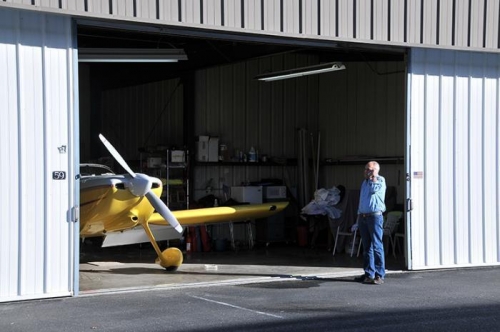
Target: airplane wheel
pixel 171 259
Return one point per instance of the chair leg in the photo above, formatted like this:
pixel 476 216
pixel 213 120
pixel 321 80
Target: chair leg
pixel 250 235
pixel 359 247
pixel 396 244
pixel 231 235
pixel 353 241
pixel 393 246
pixel 336 239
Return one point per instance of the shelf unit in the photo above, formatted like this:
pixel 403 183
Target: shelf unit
pixel 175 177
pixel 177 186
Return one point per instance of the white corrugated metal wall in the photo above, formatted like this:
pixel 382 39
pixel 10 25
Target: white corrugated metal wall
pixel 454 159
pixel 361 115
pixel 141 116
pixel 244 112
pixel 36 104
pixel 455 24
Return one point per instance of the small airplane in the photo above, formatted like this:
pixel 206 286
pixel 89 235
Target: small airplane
pixel 113 205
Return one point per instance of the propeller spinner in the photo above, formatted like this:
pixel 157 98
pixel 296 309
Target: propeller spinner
pixel 141 186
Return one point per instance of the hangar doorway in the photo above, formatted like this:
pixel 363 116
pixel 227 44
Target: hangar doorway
pixel 360 113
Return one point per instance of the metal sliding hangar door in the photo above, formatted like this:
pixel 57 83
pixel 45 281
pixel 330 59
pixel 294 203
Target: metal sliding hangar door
pixel 452 117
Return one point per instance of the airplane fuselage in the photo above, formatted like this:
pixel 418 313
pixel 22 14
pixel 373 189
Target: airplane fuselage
pixel 107 205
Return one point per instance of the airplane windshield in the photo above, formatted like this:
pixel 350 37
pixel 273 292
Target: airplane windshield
pixel 95 169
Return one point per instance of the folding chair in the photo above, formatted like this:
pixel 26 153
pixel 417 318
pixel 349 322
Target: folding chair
pixel 391 225
pixel 399 234
pixel 344 234
pixel 340 223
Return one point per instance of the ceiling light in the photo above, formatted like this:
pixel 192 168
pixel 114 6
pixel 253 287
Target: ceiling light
pixel 130 55
pixel 311 70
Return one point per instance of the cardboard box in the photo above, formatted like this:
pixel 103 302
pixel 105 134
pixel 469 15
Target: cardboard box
pixel 213 149
pixel 154 162
pixel 202 148
pixel 177 156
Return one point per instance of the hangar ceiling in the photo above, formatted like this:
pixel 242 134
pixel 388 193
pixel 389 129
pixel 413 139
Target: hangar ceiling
pixel 206 52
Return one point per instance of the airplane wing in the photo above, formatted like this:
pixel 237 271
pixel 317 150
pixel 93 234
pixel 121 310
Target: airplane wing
pixel 221 214
pixel 190 218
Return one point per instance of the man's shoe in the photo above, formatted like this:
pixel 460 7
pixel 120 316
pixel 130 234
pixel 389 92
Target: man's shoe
pixel 368 280
pixel 361 278
pixel 378 280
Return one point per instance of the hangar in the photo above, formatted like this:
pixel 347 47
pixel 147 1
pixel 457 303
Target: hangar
pixel 420 92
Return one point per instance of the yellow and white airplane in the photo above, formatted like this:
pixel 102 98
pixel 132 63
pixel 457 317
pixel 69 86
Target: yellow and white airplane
pixel 113 205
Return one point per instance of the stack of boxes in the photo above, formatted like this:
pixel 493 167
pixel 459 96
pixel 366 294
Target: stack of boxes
pixel 207 149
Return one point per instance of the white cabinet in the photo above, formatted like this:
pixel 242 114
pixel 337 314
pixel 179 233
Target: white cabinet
pixel 247 194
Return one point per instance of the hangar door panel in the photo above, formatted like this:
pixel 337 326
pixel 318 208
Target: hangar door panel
pixel 454 159
pixel 36 156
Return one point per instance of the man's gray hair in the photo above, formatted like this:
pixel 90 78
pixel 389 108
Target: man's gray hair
pixel 377 165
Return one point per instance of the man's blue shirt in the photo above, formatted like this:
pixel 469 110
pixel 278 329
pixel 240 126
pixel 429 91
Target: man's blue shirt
pixel 372 196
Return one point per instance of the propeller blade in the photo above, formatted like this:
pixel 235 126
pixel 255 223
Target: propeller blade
pixel 116 155
pixel 163 210
pixel 141 185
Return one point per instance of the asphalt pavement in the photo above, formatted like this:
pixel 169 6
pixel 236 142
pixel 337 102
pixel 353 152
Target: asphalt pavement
pixel 445 300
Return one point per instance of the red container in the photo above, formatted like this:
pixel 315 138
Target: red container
pixel 302 236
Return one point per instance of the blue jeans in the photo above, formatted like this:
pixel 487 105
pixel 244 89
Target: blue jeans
pixel 371 229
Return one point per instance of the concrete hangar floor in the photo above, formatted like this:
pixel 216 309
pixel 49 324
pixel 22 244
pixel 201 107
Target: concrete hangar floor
pixel 132 268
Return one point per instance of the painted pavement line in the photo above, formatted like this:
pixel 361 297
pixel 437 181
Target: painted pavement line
pixel 236 307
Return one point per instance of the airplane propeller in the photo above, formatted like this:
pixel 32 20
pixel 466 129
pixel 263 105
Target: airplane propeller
pixel 141 186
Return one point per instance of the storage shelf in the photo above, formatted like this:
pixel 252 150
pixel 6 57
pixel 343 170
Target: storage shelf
pixel 362 161
pixel 287 162
pixel 293 162
pixel 175 195
pixel 177 165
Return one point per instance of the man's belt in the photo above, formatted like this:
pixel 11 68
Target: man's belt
pixel 364 215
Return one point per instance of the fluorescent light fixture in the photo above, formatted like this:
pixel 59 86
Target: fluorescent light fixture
pixel 130 55
pixel 311 70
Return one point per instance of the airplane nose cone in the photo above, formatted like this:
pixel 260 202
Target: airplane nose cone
pixel 140 185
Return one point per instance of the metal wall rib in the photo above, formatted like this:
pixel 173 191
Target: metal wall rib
pixel 451 24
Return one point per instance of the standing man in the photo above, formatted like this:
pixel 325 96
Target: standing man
pixel 371 224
